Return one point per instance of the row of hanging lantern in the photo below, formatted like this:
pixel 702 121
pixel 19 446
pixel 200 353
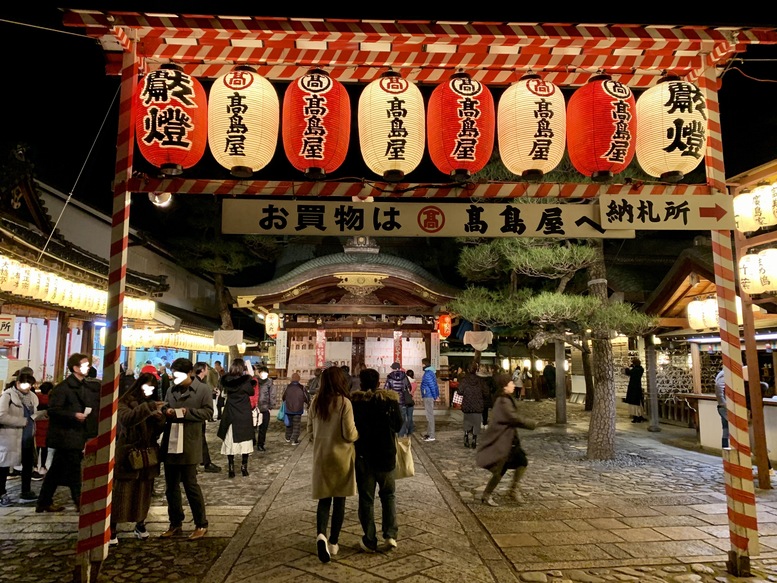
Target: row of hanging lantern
pixel 147 338
pixel 753 210
pixel 41 285
pixel 703 313
pixel 603 126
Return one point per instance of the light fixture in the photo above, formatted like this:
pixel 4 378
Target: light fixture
pixel 160 199
pixel 539 365
pixel 506 364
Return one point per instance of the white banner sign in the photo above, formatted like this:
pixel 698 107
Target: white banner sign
pixel 428 218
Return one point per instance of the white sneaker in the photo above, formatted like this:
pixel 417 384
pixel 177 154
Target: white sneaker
pixel 113 542
pixel 391 544
pixel 334 549
pixel 430 439
pixel 322 546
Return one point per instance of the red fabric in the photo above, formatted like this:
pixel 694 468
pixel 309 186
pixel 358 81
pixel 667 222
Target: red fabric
pixel 41 425
pixel 255 397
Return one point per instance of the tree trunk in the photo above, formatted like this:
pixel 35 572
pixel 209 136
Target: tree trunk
pixel 226 316
pixel 601 432
pixel 561 383
pixel 588 377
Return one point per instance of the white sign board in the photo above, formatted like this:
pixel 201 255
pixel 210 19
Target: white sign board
pixel 7 327
pixel 711 212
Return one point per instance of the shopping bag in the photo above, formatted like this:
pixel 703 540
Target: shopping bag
pixel 175 443
pixel 458 399
pixel 281 412
pixel 405 467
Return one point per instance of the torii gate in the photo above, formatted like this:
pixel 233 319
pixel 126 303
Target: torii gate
pixel 358 51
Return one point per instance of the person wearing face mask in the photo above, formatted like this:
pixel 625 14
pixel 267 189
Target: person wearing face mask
pixel 139 423
pixel 186 407
pixel 68 410
pixel 18 404
pixel 265 404
pixel 236 428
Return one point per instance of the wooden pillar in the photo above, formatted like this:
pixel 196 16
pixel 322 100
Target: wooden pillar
pixel 696 367
pixel 651 365
pixel 561 383
pixel 60 356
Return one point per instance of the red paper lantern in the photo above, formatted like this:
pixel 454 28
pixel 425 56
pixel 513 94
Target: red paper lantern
pixel 171 127
pixel 316 124
pixel 444 325
pixel 601 128
pixel 460 126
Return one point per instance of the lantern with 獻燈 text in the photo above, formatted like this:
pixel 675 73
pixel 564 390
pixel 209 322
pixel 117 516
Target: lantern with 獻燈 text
pixel 444 326
pixel 171 126
pixel 316 124
pixel 243 118
pixel 272 324
pixel 531 127
pixel 392 126
pixel 601 128
pixel 460 126
pixel 671 129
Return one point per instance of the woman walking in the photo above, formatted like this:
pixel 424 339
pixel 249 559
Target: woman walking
pixel 333 431
pixel 472 388
pixel 18 403
pixel 139 424
pixel 500 449
pixel 236 427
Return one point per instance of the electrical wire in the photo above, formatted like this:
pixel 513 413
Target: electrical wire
pixel 88 155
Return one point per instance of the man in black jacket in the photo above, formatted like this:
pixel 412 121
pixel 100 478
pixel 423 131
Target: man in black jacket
pixel 378 418
pixel 69 404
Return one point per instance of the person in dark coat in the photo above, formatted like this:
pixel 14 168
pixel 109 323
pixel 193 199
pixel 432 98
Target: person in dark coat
pixel 500 449
pixel 265 404
pixel 139 423
pixel 68 402
pixel 472 388
pixel 378 419
pixel 186 409
pixel 296 397
pixel 236 428
pixel 199 383
pixel 634 397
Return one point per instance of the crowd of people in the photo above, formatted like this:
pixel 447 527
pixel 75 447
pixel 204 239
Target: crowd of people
pixel 352 420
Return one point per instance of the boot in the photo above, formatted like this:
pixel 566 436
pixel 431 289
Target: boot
pixel 515 490
pixel 466 439
pixel 244 465
pixel 474 443
pixel 231 466
pixel 634 419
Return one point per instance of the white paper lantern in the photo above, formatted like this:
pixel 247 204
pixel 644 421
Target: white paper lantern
pixel 767 268
pixel 695 314
pixel 750 274
pixel 272 324
pixel 671 129
pixel 744 213
pixel 243 121
pixel 531 127
pixel 764 207
pixel 392 126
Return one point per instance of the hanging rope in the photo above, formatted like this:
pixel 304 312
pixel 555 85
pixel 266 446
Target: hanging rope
pixel 88 155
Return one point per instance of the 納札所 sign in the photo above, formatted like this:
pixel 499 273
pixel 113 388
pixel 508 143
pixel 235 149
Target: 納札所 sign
pixel 667 212
pixel 414 219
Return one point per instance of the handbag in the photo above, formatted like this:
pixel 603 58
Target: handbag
pixel 141 458
pixel 405 468
pixel 458 399
pixel 407 398
pixel 281 412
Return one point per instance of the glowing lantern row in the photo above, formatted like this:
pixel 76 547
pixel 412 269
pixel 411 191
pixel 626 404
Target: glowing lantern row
pixel 757 208
pixel 460 126
pixel 444 326
pixel 671 129
pixel 316 124
pixel 143 338
pixel 391 126
pixel 531 127
pixel 272 324
pixel 243 118
pixel 600 128
pixel 758 272
pixel 703 314
pixel 31 282
pixel 172 116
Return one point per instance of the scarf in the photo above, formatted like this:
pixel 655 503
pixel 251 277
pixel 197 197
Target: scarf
pixel 25 398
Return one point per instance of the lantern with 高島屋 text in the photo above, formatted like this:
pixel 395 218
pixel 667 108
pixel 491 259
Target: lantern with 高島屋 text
pixel 316 124
pixel 671 129
pixel 243 118
pixel 392 126
pixel 460 126
pixel 601 128
pixel 171 126
pixel 531 127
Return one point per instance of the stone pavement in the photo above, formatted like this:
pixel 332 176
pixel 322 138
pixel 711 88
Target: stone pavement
pixel 655 513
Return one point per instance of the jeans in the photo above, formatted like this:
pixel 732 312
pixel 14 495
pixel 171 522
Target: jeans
pixel 261 431
pixel 407 421
pixel 366 480
pixel 724 422
pixel 338 515
pixel 175 475
pixel 429 410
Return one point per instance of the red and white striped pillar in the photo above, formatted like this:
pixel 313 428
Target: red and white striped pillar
pixel 94 520
pixel 737 463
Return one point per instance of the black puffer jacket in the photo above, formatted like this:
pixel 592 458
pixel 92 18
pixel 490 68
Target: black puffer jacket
pixel 472 388
pixel 378 418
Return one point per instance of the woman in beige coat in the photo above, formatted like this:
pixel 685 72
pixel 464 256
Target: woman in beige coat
pixel 333 431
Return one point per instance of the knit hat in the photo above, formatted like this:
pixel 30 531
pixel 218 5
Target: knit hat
pixel 396 366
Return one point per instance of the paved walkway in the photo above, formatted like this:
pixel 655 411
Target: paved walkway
pixel 655 513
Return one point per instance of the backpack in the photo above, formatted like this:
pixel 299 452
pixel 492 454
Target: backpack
pixel 407 397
